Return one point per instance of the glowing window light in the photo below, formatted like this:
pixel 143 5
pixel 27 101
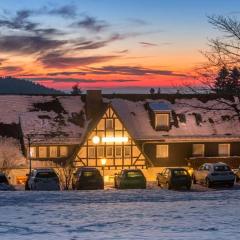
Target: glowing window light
pixel 95 139
pixel 114 139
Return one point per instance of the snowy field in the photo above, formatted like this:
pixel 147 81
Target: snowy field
pixel 128 214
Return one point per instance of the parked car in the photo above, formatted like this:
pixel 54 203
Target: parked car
pixel 130 179
pixel 214 173
pixel 174 178
pixel 87 178
pixel 43 179
pixel 4 183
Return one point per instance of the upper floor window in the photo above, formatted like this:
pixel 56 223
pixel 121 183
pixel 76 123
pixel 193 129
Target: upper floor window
pixel 127 151
pixel 109 123
pixel 91 152
pixel 198 150
pixel 162 120
pixel 100 151
pixel 162 151
pixel 224 149
pixel 118 151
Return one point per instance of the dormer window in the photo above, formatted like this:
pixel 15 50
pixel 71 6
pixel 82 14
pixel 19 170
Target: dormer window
pixel 161 120
pixel 160 113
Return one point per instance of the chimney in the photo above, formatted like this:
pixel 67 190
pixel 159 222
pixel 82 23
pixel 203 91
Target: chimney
pixel 93 103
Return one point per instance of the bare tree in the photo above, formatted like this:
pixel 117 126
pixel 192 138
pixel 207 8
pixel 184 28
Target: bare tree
pixel 224 50
pixel 65 176
pixel 10 154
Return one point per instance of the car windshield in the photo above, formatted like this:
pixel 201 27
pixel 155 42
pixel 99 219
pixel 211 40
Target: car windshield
pixel 180 172
pixel 134 174
pixel 3 179
pixel 221 168
pixel 46 175
pixel 89 173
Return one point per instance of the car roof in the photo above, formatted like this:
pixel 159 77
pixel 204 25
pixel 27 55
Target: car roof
pixel 175 168
pixel 87 169
pixel 131 170
pixel 216 164
pixel 44 170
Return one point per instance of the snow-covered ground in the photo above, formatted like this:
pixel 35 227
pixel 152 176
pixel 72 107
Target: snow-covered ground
pixel 128 214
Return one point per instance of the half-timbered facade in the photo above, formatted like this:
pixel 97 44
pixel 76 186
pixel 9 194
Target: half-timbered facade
pixel 110 144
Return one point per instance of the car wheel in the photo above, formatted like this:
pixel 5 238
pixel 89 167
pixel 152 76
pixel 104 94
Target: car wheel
pixel 188 186
pixel 158 183
pixel 237 178
pixel 231 184
pixel 194 180
pixel 208 183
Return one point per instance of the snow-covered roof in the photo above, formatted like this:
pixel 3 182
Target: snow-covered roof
pixel 46 119
pixel 190 119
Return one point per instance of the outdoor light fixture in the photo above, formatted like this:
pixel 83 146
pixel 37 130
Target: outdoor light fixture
pixel 114 139
pixel 96 139
pixel 103 161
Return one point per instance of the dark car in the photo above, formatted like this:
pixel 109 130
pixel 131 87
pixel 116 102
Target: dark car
pixel 130 179
pixel 174 178
pixel 87 178
pixel 4 183
pixel 43 179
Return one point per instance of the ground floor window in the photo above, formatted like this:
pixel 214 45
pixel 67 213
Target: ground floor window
pixel 100 151
pixel 224 149
pixel 162 151
pixel 109 151
pixel 53 151
pixel 127 151
pixel 118 151
pixel 91 152
pixel 63 151
pixel 42 152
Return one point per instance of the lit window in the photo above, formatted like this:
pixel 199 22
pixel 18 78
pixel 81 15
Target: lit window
pixel 127 151
pixel 53 151
pixel 63 151
pixel 91 152
pixel 224 149
pixel 42 152
pixel 109 151
pixel 100 151
pixel 162 120
pixel 162 151
pixel 198 150
pixel 33 152
pixel 118 151
pixel 109 123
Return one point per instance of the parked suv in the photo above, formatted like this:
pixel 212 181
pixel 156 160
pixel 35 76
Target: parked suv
pixel 174 178
pixel 87 178
pixel 130 178
pixel 4 183
pixel 214 173
pixel 44 179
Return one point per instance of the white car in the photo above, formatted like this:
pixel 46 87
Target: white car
pixel 214 173
pixel 44 179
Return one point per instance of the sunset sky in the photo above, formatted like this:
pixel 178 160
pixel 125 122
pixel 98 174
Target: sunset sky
pixel 106 43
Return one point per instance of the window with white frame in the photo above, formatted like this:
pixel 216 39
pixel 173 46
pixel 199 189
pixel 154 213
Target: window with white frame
pixel 198 149
pixel 100 151
pixel 118 151
pixel 109 123
pixel 63 151
pixel 109 151
pixel 42 152
pixel 91 152
pixel 53 151
pixel 224 149
pixel 162 120
pixel 127 151
pixel 33 152
pixel 162 151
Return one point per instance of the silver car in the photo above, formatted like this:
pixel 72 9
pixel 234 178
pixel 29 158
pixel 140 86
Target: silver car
pixel 43 179
pixel 214 173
